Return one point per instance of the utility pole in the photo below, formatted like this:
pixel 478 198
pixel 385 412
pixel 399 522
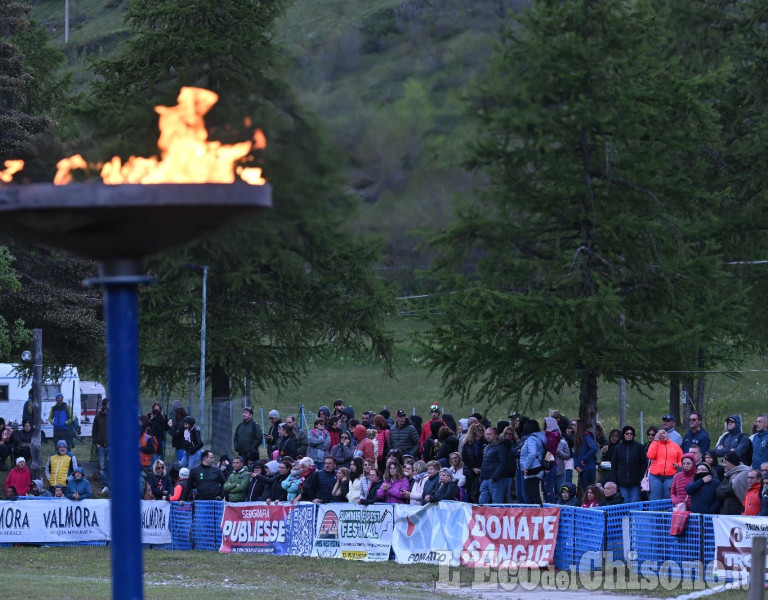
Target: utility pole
pixel 66 21
pixel 37 388
pixel 202 347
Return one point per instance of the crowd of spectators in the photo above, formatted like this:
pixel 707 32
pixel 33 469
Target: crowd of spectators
pixel 401 459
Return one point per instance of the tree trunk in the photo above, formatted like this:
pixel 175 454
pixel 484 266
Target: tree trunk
pixel 674 397
pixel 221 411
pixel 588 398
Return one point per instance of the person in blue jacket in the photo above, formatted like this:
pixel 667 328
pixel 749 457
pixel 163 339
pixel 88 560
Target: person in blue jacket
pixel 584 450
pixel 78 487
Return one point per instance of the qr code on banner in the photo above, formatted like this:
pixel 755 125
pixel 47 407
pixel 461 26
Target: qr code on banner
pixel 300 527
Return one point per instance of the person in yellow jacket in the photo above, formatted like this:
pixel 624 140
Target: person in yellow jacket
pixel 59 466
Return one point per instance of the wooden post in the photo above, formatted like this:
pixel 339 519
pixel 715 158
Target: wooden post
pixel 757 571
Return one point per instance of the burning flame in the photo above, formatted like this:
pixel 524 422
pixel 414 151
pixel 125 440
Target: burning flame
pixel 186 154
pixel 11 167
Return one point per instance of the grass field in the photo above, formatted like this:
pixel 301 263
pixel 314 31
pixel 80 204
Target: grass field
pixel 83 572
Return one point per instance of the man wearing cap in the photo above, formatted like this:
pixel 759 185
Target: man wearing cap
pixel 272 436
pixel 403 436
pixel 100 438
pixel 734 485
pixel 59 466
pixel 248 435
pixel 696 434
pixel 426 429
pixel 668 422
pixel 61 418
pixel 733 439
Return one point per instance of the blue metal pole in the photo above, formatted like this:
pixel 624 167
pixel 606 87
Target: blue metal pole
pixel 202 348
pixel 120 280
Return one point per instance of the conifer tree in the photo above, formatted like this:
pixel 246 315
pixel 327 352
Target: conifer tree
pixel 296 283
pixel 583 256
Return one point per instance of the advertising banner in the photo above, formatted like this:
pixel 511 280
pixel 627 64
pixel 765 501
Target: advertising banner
pixel 507 537
pixel 50 521
pixel 433 534
pixel 284 529
pixel 353 531
pixel 155 522
pixel 733 543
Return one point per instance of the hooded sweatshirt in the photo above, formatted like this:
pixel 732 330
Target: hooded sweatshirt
pixel 681 480
pixel 759 449
pixel 735 440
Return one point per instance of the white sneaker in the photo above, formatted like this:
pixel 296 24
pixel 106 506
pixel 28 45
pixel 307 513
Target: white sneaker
pixel 104 490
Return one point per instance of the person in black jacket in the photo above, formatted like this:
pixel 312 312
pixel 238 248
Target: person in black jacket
pixel 374 483
pixel 448 489
pixel 160 482
pixel 628 465
pixel 205 480
pixel 703 491
pixel 449 444
pixel 277 493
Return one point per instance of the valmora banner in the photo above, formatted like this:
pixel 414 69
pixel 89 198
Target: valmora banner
pixel 733 543
pixel 353 531
pixel 155 522
pixel 432 534
pixel 54 520
pixel 268 529
pixel 511 537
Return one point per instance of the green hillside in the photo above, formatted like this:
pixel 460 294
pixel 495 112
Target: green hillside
pixel 386 77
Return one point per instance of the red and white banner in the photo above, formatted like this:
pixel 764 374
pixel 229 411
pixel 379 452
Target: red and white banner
pixel 511 537
pixel 285 529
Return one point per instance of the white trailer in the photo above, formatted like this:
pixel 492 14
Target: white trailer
pixel 14 392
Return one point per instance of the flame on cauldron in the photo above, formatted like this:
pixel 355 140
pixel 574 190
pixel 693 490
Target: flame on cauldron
pixel 186 153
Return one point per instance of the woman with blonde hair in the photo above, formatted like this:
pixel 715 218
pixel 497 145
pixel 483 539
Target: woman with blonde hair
pixel 418 480
pixel 472 457
pixel 341 487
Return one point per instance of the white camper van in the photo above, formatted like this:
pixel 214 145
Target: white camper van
pixel 14 393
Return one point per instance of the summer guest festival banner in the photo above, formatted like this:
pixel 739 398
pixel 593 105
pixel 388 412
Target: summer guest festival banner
pixel 53 520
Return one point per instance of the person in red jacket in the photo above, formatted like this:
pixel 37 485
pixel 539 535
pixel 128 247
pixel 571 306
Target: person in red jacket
pixel 426 429
pixel 752 497
pixel 19 477
pixel 681 479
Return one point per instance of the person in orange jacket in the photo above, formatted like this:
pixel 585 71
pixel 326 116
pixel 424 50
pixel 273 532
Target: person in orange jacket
pixel 665 457
pixel 753 498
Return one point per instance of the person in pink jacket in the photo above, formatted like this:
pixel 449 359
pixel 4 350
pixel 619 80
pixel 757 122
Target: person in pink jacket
pixel 680 498
pixel 395 483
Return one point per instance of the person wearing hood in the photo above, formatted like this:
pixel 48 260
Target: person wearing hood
pixel 193 443
pixel 734 485
pixel 760 442
pixel 568 496
pixel 38 490
pixel 681 479
pixel 19 477
pixel 629 465
pixel 553 437
pixel 318 442
pixel 532 459
pixel 703 491
pixel 78 487
pixel 364 448
pixel 664 456
pixel 753 495
pixel 733 439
